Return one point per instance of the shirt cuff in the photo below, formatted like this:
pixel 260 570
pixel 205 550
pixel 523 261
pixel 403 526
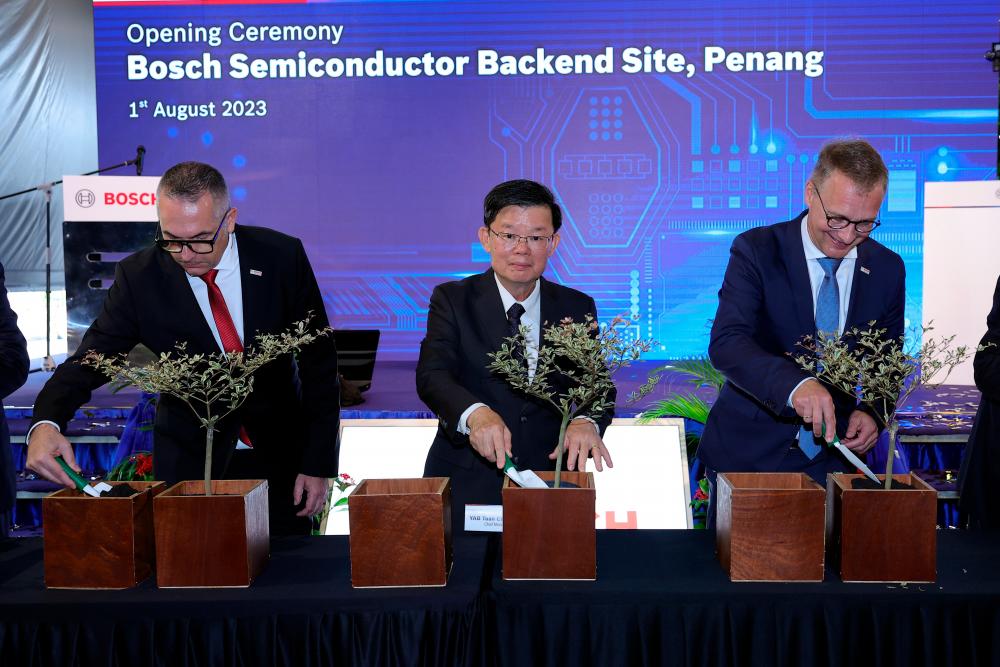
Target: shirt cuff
pixel 795 389
pixel 27 438
pixel 586 418
pixel 463 426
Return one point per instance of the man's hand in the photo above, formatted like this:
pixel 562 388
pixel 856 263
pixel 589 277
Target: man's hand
pixel 489 436
pixel 47 443
pixel 314 490
pixel 862 432
pixel 814 404
pixel 582 439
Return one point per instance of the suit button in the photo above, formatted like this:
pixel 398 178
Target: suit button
pixel 524 420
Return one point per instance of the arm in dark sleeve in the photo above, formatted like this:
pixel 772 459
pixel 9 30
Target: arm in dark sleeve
pixel 317 370
pixel 115 331
pixel 733 347
pixel 892 321
pixel 986 366
pixel 439 365
pixel 13 347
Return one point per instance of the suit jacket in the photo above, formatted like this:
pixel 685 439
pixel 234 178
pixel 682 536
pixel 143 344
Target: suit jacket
pixel 765 309
pixel 292 415
pixel 980 474
pixel 466 322
pixel 13 373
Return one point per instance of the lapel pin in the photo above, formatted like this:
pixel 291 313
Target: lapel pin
pixel 864 270
pixel 255 272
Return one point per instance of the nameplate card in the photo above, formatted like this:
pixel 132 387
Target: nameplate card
pixel 484 518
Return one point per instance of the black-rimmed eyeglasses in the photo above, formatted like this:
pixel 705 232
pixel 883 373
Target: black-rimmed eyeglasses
pixel 197 246
pixel 840 222
pixel 509 241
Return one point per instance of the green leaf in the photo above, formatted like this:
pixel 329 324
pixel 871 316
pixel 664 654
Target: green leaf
pixel 687 406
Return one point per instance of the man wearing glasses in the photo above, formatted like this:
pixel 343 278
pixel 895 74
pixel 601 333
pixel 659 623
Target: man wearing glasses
pixel 481 418
pixel 820 273
pixel 214 286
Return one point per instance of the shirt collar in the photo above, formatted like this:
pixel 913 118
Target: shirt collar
pixel 812 252
pixel 230 257
pixel 508 299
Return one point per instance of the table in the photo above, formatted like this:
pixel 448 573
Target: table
pixel 300 611
pixel 661 598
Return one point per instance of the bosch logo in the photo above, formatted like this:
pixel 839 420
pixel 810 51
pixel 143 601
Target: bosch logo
pixel 85 198
pixel 129 198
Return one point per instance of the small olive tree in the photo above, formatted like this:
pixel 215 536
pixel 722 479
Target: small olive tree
pixel 212 385
pixel 882 372
pixel 586 355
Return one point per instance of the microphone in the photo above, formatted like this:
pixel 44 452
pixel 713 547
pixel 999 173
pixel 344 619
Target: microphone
pixel 140 156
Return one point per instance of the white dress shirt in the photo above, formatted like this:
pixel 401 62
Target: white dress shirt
pixel 229 281
pixel 231 284
pixel 532 319
pixel 845 278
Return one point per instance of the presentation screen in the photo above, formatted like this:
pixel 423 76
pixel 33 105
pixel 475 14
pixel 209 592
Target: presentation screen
pixel 372 131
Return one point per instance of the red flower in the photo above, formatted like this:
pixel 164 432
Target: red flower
pixel 143 464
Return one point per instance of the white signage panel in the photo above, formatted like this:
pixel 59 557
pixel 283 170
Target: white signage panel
pixel 961 264
pixel 647 488
pixel 110 198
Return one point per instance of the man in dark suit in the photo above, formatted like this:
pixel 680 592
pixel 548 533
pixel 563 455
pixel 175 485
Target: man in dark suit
pixel 782 282
pixel 481 418
pixel 980 474
pixel 213 285
pixel 13 373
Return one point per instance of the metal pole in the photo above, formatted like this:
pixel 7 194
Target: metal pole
pixel 993 55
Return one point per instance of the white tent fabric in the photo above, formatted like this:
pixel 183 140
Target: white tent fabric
pixel 48 125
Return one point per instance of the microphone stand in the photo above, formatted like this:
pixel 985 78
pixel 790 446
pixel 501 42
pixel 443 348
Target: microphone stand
pixel 49 364
pixel 993 55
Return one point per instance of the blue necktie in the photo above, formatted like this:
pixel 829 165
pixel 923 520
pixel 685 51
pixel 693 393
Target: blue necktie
pixel 827 324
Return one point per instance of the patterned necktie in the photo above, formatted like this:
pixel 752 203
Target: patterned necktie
pixel 827 324
pixel 514 314
pixel 828 299
pixel 224 323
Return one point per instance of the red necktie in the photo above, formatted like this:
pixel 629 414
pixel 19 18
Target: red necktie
pixel 224 322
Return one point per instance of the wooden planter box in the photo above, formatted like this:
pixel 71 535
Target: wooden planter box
pixel 222 540
pixel 400 532
pixel 770 526
pixel 549 533
pixel 99 542
pixel 883 536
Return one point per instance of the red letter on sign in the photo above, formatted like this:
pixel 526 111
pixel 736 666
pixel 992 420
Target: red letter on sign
pixel 631 521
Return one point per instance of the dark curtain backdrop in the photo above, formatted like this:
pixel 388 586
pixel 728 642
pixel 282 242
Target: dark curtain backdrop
pixel 48 125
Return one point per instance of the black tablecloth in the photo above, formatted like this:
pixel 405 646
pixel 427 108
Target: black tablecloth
pixel 661 598
pixel 300 611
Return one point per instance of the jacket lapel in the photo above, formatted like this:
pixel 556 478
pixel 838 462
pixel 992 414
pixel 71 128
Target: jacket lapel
pixel 794 258
pixel 549 309
pixel 201 339
pixel 489 311
pixel 254 276
pixel 862 274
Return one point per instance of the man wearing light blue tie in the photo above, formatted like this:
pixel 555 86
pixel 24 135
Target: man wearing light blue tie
pixel 820 273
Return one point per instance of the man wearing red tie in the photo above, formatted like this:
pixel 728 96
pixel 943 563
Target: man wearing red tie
pixel 214 285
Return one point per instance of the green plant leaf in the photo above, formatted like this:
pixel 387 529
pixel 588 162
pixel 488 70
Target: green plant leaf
pixel 687 406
